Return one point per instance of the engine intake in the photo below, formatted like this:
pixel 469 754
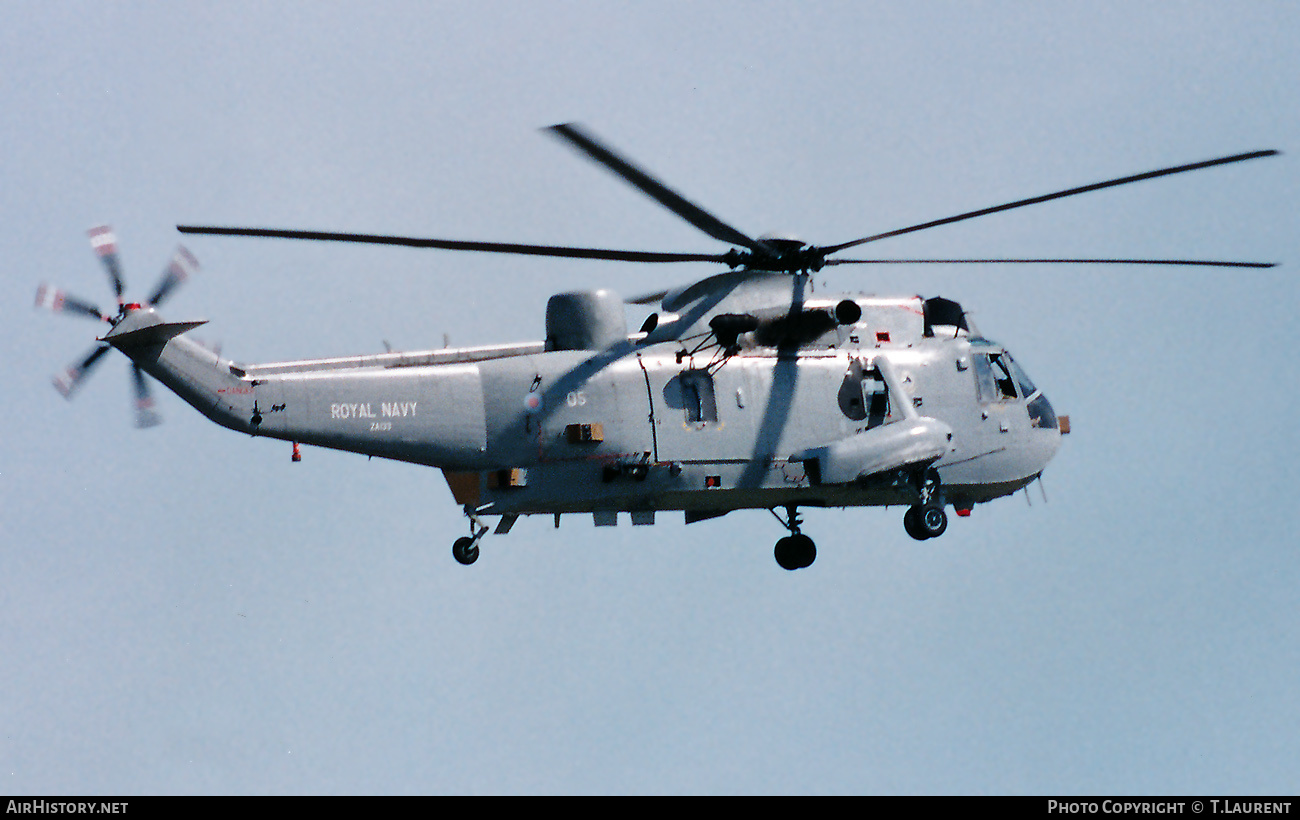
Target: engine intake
pixel 585 320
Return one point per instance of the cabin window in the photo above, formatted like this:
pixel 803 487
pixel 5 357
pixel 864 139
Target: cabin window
pixel 698 397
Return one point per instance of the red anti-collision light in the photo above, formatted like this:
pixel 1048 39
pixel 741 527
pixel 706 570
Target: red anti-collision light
pixel 963 513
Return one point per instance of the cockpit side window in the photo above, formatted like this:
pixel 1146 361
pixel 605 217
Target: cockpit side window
pixel 993 377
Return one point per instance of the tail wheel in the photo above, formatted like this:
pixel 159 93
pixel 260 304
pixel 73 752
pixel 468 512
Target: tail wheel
pixel 465 550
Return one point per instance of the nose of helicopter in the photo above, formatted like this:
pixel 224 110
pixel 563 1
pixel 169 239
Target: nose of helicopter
pixel 1047 428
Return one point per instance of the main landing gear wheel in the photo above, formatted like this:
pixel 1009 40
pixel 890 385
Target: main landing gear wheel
pixel 925 521
pixel 795 552
pixel 465 550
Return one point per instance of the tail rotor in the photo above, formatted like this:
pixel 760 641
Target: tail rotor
pixel 103 241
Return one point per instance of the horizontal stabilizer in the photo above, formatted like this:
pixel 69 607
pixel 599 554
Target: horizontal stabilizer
pixel 149 334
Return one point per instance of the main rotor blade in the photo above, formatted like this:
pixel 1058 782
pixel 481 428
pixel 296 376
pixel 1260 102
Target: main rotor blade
pixel 1184 262
pixel 182 267
pixel 56 301
pixel 1096 186
pixel 673 201
pixel 104 242
pixel 69 380
pixel 145 415
pixel 457 245
pixel 647 298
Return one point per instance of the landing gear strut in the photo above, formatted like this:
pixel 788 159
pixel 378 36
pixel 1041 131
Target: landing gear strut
pixel 796 550
pixel 927 518
pixel 465 548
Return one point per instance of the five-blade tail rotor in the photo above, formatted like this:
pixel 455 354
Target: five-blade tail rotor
pixel 104 243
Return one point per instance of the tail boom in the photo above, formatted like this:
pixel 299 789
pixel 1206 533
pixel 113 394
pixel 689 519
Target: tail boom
pixel 431 415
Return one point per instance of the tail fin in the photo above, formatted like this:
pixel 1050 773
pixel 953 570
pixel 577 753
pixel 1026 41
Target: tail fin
pixel 196 374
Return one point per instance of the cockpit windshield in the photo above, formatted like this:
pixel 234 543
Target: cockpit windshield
pixel 998 378
pixel 1027 388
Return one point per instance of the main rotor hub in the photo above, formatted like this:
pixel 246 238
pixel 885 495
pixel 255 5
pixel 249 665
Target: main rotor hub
pixel 784 242
pixel 790 254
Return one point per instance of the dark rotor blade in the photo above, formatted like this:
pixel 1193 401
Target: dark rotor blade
pixel 56 301
pixel 182 267
pixel 104 241
pixel 458 245
pixel 673 201
pixel 1184 262
pixel 69 380
pixel 647 298
pixel 145 415
pixel 1096 186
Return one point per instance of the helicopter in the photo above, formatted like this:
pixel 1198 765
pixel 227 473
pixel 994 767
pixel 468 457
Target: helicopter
pixel 742 390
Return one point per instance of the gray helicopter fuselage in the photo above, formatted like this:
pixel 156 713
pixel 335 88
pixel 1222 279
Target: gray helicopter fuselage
pixel 667 419
pixel 744 389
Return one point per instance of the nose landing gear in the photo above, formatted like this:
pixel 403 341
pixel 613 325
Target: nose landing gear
pixel 795 551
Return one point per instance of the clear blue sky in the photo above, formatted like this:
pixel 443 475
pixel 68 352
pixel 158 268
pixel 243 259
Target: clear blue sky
pixel 184 610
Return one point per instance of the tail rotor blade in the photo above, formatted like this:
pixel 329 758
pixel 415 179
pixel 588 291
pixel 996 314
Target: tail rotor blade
pixel 56 301
pixel 69 380
pixel 182 267
pixel 145 415
pixel 104 241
